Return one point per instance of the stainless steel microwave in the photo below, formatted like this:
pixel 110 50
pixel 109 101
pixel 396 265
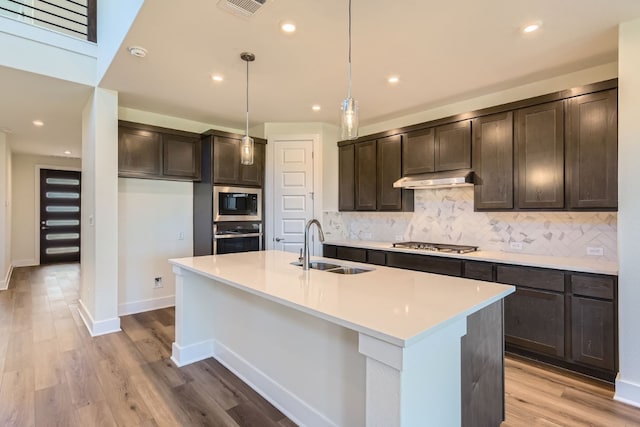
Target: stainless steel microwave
pixel 237 204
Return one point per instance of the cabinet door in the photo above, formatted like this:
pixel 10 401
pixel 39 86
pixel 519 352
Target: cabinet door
pixel 252 175
pixel 139 153
pixel 346 177
pixel 351 254
pixel 418 152
pixel 389 171
pixel 593 332
pixel 534 320
pixel 592 150
pixel 493 161
pixel 226 160
pixel 181 157
pixel 540 156
pixel 366 176
pixel 453 146
pixel 478 270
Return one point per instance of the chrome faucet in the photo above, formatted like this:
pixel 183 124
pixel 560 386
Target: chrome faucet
pixel 305 256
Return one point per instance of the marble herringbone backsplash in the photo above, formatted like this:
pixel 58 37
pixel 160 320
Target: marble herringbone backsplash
pixel 447 216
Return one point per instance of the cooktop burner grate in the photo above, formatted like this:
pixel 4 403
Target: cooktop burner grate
pixel 436 247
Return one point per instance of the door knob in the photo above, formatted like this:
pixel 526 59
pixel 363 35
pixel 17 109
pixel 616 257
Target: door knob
pixel 278 239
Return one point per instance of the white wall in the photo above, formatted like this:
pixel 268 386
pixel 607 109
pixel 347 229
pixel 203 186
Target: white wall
pixel 114 21
pixel 99 224
pixel 566 81
pixel 155 223
pixel 628 381
pixel 5 211
pixel 151 216
pixel 25 213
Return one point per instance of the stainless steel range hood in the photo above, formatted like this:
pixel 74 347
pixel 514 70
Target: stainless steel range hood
pixel 457 178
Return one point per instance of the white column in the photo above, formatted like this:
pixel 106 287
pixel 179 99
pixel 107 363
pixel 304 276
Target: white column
pixel 417 385
pixel 5 211
pixel 628 380
pixel 99 247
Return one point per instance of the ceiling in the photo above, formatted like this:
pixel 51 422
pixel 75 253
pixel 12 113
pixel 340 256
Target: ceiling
pixel 441 51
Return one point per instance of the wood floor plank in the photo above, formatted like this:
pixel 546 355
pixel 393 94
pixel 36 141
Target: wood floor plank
pixel 53 408
pixel 200 408
pixel 84 388
pixel 96 414
pixel 47 366
pixel 247 414
pixel 19 354
pixel 17 397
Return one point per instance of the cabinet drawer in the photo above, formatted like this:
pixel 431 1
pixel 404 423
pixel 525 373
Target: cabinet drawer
pixel 478 270
pixel 351 254
pixel 329 251
pixel 450 267
pixel 592 286
pixel 377 257
pixel 537 278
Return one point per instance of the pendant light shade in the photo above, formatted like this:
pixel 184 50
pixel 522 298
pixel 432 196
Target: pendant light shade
pixel 349 115
pixel 246 146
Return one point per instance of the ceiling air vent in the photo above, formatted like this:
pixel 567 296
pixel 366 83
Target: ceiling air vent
pixel 242 7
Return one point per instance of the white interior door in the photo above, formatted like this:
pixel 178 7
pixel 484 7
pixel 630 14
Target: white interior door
pixel 292 193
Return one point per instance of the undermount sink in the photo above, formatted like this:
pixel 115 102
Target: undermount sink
pixel 333 268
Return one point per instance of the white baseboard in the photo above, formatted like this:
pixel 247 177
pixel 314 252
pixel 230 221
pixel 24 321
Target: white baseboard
pixel 24 263
pixel 627 392
pixel 146 305
pixel 4 284
pixel 182 356
pixel 289 404
pixel 97 328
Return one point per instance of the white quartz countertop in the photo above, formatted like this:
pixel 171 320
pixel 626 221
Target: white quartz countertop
pixel 394 305
pixel 585 265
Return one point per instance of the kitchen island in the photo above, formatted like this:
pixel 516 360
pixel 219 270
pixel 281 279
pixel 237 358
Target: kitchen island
pixel 377 348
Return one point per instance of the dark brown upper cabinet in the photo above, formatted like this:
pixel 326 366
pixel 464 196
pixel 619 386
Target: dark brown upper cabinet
pixel 592 150
pixel 493 161
pixel 389 171
pixel 226 163
pixel 436 149
pixel 453 146
pixel 366 175
pixel 418 152
pixel 152 152
pixel 539 154
pixel 346 177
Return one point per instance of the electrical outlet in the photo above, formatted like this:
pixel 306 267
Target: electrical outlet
pixel 399 238
pixel 516 246
pixel 157 282
pixel 595 250
pixel 366 236
pixel 181 235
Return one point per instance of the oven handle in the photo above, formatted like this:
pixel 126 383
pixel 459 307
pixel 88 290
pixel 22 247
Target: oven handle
pixel 233 236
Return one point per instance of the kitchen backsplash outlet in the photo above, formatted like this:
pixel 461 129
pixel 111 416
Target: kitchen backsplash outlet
pixel 447 216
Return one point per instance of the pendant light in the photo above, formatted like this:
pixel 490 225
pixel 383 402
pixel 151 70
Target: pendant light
pixel 246 146
pixel 349 116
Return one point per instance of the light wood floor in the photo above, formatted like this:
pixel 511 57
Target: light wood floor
pixel 53 373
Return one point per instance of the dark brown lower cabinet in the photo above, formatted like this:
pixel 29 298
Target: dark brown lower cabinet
pixel 592 342
pixel 534 320
pixel 351 254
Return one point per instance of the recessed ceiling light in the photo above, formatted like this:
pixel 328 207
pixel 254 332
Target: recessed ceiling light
pixel 67 152
pixel 38 123
pixel 217 77
pixel 315 107
pixel 137 51
pixel 288 27
pixel 532 27
pixel 393 79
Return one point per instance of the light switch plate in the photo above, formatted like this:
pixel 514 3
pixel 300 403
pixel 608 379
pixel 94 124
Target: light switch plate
pixel 595 250
pixel 516 246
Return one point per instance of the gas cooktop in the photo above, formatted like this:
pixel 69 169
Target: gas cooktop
pixel 436 247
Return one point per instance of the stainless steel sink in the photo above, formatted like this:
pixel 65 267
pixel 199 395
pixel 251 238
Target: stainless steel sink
pixel 349 270
pixel 334 268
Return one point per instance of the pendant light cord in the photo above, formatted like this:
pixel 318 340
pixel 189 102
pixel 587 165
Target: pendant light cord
pixel 349 88
pixel 247 129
